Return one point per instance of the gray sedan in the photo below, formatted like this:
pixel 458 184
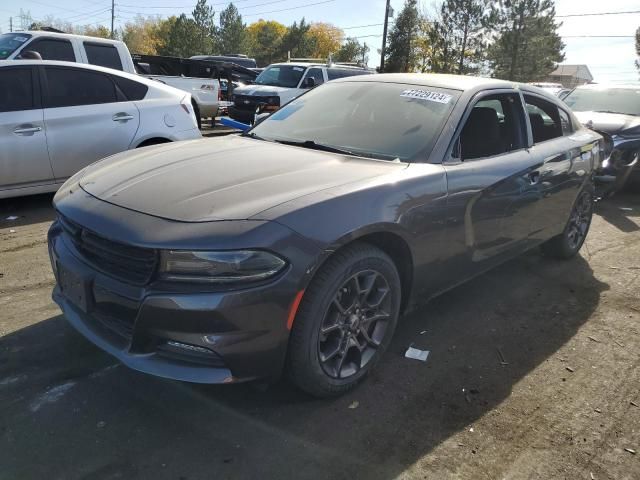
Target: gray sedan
pixel 297 246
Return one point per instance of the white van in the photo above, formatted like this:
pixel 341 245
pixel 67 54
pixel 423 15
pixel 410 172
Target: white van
pixel 280 83
pixel 105 53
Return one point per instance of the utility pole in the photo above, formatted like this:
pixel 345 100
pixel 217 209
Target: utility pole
pixel 384 36
pixel 113 15
pixel 11 24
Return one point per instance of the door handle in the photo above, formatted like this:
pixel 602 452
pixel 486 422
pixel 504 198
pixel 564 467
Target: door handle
pixel 23 130
pixel 122 117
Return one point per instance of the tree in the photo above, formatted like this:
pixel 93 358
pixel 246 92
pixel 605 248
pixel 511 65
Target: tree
pixel 401 54
pixel 458 36
pixel 179 40
pixel 327 39
pixel 204 40
pixel 232 36
pixel 146 35
pixel 297 42
pixel 100 31
pixel 352 52
pixel 264 39
pixel 527 46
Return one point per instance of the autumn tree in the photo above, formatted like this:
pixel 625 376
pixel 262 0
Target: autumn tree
pixel 99 31
pixel 327 39
pixel 458 36
pixel 401 55
pixel 527 45
pixel 265 41
pixel 232 35
pixel 146 35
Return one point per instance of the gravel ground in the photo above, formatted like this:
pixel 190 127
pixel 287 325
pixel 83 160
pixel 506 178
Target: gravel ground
pixel 533 374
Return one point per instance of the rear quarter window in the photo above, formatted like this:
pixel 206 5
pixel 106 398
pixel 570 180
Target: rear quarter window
pixel 131 89
pixel 103 55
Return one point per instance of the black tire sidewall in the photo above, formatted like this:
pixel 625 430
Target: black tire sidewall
pixel 319 296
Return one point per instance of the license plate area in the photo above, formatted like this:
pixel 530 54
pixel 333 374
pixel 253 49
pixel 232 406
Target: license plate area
pixel 75 288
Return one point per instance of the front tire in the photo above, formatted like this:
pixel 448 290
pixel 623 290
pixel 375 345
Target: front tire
pixel 570 241
pixel 345 321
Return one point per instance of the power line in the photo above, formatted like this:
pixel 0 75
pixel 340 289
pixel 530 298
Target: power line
pixel 290 8
pixel 597 14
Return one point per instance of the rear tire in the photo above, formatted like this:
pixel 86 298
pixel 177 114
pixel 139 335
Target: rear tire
pixel 568 243
pixel 345 321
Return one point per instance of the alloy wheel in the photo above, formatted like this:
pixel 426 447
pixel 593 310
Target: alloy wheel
pixel 355 324
pixel 579 221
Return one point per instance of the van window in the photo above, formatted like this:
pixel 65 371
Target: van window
pixel 52 49
pixel 16 89
pixel 68 87
pixel 316 74
pixel 334 73
pixel 103 55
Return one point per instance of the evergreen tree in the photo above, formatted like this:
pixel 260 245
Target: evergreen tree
pixel 458 37
pixel 401 53
pixel 179 39
pixel 297 41
pixel 204 41
pixel 527 46
pixel 232 35
pixel 352 51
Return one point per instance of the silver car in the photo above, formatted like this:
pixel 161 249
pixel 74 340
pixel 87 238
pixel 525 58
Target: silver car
pixel 58 117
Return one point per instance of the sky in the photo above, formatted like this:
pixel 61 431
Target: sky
pixel 609 59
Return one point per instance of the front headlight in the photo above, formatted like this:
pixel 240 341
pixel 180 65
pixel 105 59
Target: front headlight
pixel 219 267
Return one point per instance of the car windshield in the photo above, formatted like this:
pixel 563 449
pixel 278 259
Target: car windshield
pixel 611 100
pixel 281 76
pixel 386 121
pixel 10 42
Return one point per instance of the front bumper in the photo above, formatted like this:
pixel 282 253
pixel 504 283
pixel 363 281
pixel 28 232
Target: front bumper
pixel 173 331
pixel 241 115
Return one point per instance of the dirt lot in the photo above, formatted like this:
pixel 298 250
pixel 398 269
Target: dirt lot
pixel 533 374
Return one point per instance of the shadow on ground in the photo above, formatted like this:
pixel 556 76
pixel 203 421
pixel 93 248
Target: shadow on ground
pixel 621 211
pixel 63 402
pixel 29 210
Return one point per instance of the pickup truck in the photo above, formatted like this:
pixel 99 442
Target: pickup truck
pixel 111 54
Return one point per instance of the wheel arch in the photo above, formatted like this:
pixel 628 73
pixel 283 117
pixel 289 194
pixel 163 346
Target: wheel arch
pixel 391 239
pixel 153 141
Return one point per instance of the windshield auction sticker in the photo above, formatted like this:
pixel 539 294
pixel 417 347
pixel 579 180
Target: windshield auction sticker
pixel 426 95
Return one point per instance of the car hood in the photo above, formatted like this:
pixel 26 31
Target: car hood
pixel 611 123
pixel 228 178
pixel 260 90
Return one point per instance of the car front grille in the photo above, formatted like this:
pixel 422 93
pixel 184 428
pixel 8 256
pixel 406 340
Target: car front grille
pixel 133 265
pixel 249 102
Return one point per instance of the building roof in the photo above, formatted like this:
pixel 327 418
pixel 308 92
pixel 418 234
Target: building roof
pixel 564 70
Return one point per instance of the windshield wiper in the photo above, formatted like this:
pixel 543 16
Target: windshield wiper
pixel 312 144
pixel 255 136
pixel 610 111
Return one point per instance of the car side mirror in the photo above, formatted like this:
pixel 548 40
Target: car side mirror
pixel 309 82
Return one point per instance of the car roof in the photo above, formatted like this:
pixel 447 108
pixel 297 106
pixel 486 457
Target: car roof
pixel 84 66
pixel 44 33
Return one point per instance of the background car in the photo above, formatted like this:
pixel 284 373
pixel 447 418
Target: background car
pixel 297 246
pixel 58 117
pixel 280 83
pixel 614 112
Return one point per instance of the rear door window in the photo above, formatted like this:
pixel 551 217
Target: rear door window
pixel 16 90
pixel 68 87
pixel 52 49
pixel 103 54
pixel 544 117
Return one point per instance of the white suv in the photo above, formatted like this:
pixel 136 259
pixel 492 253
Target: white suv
pixel 280 83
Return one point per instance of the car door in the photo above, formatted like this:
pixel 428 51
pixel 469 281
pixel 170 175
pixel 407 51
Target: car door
pixel 86 117
pixel 492 192
pixel 563 162
pixel 24 159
